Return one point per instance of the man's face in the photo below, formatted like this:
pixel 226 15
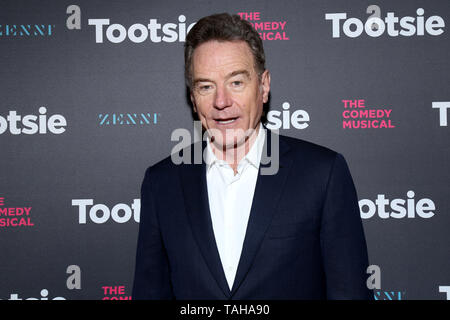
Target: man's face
pixel 227 94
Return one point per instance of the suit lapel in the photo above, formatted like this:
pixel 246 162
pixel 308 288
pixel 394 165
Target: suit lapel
pixel 193 179
pixel 268 191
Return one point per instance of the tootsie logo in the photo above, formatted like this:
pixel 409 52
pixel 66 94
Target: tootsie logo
pixel 385 208
pixel 392 24
pixel 33 124
pixel 107 30
pixel 443 107
pixel 100 213
pixel 154 31
pixel 44 295
pixel 297 118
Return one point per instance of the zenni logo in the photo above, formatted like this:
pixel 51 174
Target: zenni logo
pixel 106 119
pixel 26 30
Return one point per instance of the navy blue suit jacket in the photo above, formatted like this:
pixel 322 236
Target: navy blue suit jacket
pixel 304 237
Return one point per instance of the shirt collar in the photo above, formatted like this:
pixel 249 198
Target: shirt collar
pixel 253 156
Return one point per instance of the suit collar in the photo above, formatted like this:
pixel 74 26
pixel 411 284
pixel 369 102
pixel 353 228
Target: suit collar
pixel 267 194
pixel 195 191
pixel 268 191
pixel 253 156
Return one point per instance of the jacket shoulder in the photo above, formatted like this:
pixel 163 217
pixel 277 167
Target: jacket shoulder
pixel 180 158
pixel 162 168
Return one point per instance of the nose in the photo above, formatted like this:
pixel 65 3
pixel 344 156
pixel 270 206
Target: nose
pixel 222 98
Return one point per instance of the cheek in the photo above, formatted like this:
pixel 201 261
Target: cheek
pixel 254 106
pixel 202 106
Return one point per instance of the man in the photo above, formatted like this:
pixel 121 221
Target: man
pixel 223 230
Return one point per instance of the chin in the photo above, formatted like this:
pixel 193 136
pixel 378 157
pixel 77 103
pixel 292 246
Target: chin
pixel 229 135
pixel 229 142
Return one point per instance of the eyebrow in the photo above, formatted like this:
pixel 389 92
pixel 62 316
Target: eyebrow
pixel 230 75
pixel 238 72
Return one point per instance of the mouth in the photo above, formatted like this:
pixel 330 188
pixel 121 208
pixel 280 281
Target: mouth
pixel 226 121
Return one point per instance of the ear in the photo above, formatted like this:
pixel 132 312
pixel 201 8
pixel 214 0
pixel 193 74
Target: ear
pixel 265 85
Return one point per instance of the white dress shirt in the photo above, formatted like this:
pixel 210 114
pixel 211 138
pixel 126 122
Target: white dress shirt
pixel 230 199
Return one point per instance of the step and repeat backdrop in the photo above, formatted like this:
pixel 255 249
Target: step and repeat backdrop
pixel 91 92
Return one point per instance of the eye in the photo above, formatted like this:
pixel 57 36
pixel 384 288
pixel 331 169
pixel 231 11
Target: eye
pixel 204 88
pixel 237 83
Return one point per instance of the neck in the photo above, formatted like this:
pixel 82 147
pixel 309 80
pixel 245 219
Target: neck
pixel 233 155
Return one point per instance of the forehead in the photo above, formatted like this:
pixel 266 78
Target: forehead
pixel 221 57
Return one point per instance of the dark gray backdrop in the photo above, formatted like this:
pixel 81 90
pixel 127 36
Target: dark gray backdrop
pixel 70 74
